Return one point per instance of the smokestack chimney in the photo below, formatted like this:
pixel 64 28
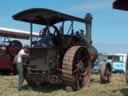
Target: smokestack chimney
pixel 88 19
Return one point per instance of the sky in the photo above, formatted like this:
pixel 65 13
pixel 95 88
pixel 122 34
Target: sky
pixel 109 28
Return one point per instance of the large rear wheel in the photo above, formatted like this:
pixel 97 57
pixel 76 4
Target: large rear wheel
pixel 75 67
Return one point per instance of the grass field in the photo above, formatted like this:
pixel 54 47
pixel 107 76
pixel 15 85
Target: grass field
pixel 117 87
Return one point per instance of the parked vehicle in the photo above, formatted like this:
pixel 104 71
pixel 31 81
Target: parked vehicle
pixel 114 62
pixel 96 66
pixel 118 61
pixel 9 48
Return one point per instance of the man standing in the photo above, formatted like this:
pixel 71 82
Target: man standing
pixel 19 65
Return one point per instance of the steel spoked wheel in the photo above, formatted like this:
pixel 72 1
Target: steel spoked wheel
pixel 105 73
pixel 75 63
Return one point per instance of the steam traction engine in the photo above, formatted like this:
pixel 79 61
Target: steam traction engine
pixel 59 57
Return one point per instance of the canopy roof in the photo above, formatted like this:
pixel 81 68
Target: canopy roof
pixel 121 4
pixel 44 16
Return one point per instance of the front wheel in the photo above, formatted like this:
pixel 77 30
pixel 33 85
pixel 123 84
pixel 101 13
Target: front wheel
pixel 105 72
pixel 126 73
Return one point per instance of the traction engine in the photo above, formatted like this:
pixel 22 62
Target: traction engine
pixel 57 57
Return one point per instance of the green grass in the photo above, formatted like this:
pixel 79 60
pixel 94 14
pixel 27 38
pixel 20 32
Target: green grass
pixel 117 87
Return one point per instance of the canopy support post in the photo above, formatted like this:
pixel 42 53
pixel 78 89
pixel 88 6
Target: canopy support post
pixel 31 30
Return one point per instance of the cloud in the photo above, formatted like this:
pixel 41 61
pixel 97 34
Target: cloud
pixel 92 5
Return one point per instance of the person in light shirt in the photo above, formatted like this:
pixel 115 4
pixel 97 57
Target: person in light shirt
pixel 20 64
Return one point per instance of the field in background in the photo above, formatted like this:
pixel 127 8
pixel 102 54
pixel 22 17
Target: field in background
pixel 117 87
